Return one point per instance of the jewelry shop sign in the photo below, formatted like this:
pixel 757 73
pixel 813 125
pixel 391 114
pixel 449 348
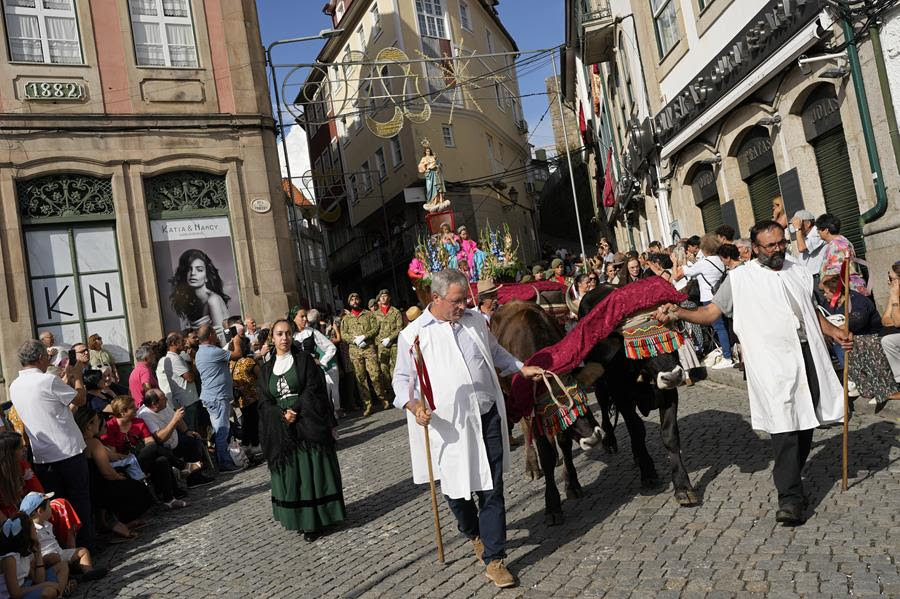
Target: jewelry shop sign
pixel 772 26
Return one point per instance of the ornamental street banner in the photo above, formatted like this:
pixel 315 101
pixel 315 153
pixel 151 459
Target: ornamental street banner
pixel 195 272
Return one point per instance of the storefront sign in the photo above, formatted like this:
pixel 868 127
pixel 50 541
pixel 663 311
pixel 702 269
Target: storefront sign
pixel 774 25
pixel 705 186
pixel 54 90
pixel 755 154
pixel 76 289
pixel 196 276
pixel 821 116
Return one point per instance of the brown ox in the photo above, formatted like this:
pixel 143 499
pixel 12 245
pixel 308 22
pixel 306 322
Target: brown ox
pixel 523 328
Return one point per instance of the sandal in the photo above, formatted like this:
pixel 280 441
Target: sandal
pixel 137 524
pixel 175 504
pixel 119 538
pixel 191 468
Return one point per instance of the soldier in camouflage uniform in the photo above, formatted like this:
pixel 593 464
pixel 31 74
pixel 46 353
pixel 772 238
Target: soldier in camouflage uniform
pixel 390 324
pixel 359 329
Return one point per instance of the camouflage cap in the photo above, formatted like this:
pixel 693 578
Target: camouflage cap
pixel 383 292
pixel 536 269
pixel 371 302
pixel 556 262
pixel 351 296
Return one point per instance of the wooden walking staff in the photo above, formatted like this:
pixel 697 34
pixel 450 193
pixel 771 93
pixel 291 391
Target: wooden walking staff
pixel 428 397
pixel 845 279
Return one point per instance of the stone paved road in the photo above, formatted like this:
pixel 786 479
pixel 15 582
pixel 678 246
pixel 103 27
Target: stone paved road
pixel 615 542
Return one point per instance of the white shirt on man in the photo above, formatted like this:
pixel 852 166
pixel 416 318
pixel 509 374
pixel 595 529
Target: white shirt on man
pixel 460 359
pixel 814 254
pixel 156 421
pixel 42 402
pixel 707 271
pixel 169 373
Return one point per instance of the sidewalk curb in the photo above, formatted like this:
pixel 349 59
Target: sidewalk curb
pixel 733 377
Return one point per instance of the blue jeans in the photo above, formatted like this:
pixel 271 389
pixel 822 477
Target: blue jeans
pixel 722 335
pixel 489 521
pixel 219 415
pixel 49 576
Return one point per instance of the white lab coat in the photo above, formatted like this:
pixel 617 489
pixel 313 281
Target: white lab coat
pixel 459 458
pixel 780 399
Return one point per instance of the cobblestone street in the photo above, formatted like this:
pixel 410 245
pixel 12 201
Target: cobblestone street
pixel 615 542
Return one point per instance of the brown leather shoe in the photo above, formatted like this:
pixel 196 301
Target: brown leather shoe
pixel 499 575
pixel 478 546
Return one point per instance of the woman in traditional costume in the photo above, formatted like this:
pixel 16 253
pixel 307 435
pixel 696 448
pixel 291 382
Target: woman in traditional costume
pixel 296 424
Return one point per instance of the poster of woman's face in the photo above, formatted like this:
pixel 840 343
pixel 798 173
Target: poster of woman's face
pixel 195 272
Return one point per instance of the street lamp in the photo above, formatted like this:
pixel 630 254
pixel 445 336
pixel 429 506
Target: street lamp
pixel 292 219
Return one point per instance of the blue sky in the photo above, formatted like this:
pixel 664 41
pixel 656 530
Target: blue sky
pixel 534 24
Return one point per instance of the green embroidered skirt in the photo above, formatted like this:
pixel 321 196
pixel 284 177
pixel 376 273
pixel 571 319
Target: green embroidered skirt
pixel 306 492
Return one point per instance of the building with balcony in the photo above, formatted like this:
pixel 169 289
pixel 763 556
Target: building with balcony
pixel 139 147
pixel 370 185
pixel 747 102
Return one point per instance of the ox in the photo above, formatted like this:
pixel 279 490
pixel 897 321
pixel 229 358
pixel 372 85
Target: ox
pixel 523 328
pixel 628 384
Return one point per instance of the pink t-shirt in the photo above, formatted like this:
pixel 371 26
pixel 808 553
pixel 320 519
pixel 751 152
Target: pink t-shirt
pixel 140 375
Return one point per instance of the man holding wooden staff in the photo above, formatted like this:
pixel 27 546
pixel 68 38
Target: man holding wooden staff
pixel 792 385
pixel 451 388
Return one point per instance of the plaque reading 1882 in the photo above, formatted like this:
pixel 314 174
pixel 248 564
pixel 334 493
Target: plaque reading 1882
pixel 54 90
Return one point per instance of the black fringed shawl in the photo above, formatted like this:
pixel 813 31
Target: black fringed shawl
pixel 315 414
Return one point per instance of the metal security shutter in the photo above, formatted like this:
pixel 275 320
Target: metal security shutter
pixel 763 186
pixel 711 210
pixel 837 185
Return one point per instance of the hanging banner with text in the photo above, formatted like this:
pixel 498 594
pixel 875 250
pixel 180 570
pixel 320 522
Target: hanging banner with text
pixel 195 272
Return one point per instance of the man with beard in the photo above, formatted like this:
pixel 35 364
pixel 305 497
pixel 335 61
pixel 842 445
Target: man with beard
pixel 792 385
pixel 360 328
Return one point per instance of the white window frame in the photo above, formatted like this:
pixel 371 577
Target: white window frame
pixel 375 15
pixel 361 36
pixel 41 14
pixel 162 21
pixel 656 12
pixel 465 17
pixel 380 164
pixel 339 12
pixel 499 91
pixel 396 152
pixel 448 136
pixel 430 18
pixel 489 37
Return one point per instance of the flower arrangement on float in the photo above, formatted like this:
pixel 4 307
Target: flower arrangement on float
pixel 494 258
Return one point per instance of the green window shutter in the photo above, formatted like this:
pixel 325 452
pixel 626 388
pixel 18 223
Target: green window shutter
pixel 763 186
pixel 711 210
pixel 837 185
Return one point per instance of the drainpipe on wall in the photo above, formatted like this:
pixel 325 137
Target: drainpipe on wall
pixel 886 93
pixel 878 210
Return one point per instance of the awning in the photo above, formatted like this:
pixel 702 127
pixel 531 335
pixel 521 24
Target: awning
pixel 798 44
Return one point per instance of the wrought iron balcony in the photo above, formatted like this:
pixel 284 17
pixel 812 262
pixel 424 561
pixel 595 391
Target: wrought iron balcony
pixel 597 29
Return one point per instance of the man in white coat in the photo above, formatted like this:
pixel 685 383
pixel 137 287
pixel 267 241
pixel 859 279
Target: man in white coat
pixel 468 432
pixel 792 385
